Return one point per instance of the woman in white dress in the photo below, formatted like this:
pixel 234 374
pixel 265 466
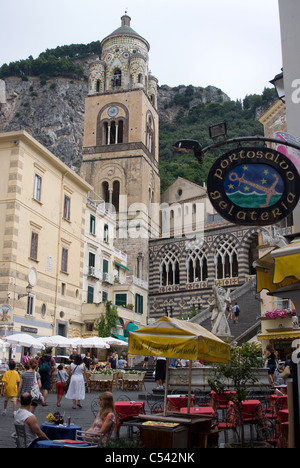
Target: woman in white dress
pixel 76 390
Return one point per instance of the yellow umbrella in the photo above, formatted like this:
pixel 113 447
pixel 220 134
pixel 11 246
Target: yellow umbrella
pixel 170 337
pixel 279 268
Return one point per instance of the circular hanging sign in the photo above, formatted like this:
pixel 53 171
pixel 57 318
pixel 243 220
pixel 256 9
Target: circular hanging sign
pixel 253 186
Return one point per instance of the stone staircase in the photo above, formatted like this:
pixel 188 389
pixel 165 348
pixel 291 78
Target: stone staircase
pixel 248 325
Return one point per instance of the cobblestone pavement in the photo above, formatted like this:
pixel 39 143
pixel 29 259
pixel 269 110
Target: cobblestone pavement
pixel 83 417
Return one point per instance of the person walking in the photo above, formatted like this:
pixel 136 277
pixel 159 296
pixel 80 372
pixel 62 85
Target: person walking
pixel 47 366
pixel 236 313
pixel 61 376
pixel 230 312
pixel 11 381
pixel 271 363
pixel 160 372
pixel 27 382
pixel 76 390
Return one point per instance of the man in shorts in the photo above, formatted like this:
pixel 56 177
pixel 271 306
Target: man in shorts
pixel 236 313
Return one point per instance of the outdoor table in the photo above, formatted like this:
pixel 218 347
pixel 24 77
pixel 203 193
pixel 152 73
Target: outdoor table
pixel 60 444
pixel 127 409
pixel 199 410
pixel 176 402
pixel 221 401
pixel 252 410
pixel 283 415
pixel 279 401
pixel 59 431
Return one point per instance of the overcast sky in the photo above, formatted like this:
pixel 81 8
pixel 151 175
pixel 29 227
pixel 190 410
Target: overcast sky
pixel 232 44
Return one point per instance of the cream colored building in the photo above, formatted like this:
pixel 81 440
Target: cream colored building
pixel 106 275
pixel 42 213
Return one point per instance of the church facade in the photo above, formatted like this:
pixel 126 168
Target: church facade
pixel 178 260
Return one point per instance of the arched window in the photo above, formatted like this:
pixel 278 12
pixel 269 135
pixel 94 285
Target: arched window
pixel 197 265
pixel 105 192
pixel 113 132
pixel 117 78
pixel 98 86
pixel 169 269
pixel 226 260
pixel 116 195
pixel 150 136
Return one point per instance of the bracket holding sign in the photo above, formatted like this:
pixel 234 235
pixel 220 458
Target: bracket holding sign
pixel 250 185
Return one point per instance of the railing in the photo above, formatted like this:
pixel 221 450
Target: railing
pixel 107 278
pixel 94 272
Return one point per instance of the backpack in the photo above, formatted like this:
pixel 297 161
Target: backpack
pixel 45 365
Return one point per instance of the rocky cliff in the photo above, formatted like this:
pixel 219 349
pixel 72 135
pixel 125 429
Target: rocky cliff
pixel 52 111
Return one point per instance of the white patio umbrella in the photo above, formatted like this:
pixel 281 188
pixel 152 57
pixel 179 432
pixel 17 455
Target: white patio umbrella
pixel 3 344
pixel 23 339
pixel 57 341
pixel 76 342
pixel 94 342
pixel 112 341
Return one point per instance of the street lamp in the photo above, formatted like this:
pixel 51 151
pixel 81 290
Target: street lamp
pixel 216 130
pixel 278 83
pixel 186 146
pixel 28 289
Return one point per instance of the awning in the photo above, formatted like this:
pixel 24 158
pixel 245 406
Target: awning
pixel 288 335
pixel 121 266
pixel 279 268
pixel 130 327
pixel 120 337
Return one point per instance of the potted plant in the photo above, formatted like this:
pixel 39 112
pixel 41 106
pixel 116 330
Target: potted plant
pixel 239 374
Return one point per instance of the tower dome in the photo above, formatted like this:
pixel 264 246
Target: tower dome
pixel 124 63
pixel 125 30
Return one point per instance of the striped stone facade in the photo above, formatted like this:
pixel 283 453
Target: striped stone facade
pixel 236 247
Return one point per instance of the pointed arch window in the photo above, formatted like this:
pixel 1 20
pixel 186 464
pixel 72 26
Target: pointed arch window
pixel 226 260
pixel 197 265
pixel 169 269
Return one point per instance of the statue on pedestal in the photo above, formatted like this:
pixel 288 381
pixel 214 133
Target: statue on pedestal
pixel 218 305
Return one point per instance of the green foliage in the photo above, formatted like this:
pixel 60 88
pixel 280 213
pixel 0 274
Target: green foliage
pixel 192 123
pixel 123 444
pixel 239 373
pixel 107 322
pixel 62 61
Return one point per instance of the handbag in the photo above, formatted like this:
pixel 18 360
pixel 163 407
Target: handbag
pixel 35 390
pixel 286 373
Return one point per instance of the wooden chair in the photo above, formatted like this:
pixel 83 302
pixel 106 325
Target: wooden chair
pixel 130 382
pixel 142 381
pixel 116 377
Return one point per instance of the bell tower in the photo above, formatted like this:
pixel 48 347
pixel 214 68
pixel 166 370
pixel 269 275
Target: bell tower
pixel 120 145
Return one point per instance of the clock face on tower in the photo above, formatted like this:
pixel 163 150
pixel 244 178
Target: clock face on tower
pixel 112 111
